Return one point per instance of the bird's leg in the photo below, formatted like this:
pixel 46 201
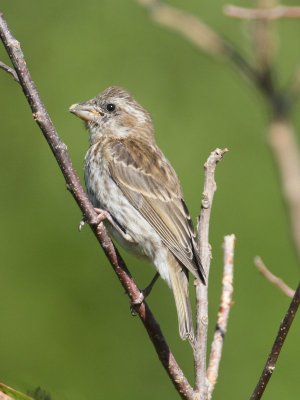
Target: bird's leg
pixel 149 288
pixel 143 294
pixel 103 214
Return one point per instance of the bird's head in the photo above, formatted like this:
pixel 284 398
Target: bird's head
pixel 114 113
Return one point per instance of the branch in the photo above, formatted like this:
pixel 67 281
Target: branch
pixel 200 347
pixel 60 152
pixel 285 289
pixel 206 39
pixel 283 143
pixel 223 315
pixel 258 13
pixel 10 71
pixel 277 346
pixel 199 34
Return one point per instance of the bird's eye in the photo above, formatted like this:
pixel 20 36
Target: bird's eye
pixel 110 107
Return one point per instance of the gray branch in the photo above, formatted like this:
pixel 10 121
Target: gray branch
pixel 61 155
pixel 200 346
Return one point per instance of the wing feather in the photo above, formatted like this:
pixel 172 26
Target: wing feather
pixel 150 184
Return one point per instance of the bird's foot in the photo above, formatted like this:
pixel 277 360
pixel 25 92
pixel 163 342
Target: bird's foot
pixel 101 216
pixel 135 303
pixel 143 294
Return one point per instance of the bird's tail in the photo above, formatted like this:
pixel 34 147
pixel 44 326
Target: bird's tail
pixel 180 287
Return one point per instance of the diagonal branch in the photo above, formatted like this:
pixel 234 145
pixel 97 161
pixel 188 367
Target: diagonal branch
pixel 258 13
pixel 10 71
pixel 281 285
pixel 60 152
pixel 283 142
pixel 277 346
pixel 282 138
pixel 223 315
pixel 199 34
pixel 200 347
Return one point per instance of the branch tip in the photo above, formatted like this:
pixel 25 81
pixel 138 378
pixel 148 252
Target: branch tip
pixel 200 347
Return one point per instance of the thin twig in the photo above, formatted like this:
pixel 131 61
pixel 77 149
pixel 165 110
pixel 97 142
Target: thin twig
pixel 281 135
pixel 206 39
pixel 10 70
pixel 60 152
pixel 258 13
pixel 200 347
pixel 277 346
pixel 223 315
pixel 283 142
pixel 264 45
pixel 285 289
pixel 199 34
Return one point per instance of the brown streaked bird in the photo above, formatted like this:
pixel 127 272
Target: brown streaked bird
pixel 128 177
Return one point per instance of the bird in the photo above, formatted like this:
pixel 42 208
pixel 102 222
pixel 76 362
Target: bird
pixel 129 178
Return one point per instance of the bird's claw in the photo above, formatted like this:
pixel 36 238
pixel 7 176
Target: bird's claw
pixel 101 216
pixel 132 311
pixel 81 224
pixel 136 302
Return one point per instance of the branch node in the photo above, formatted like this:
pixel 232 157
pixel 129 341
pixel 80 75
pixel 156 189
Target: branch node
pixel 138 300
pixel 9 70
pixel 38 116
pixel 205 201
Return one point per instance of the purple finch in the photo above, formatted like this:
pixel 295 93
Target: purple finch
pixel 128 177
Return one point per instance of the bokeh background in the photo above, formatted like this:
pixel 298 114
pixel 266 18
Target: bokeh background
pixel 65 321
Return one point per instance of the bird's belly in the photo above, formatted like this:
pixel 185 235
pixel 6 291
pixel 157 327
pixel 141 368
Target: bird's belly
pixel 105 194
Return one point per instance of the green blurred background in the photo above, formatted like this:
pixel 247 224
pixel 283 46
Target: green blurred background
pixel 65 321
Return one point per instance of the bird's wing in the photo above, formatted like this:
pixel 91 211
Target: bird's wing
pixel 150 184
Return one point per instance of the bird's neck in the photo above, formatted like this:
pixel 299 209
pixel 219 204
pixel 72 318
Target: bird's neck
pixel 141 132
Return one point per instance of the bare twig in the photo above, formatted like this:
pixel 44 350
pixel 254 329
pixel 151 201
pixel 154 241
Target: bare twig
pixel 10 71
pixel 60 152
pixel 206 39
pixel 199 34
pixel 277 346
pixel 259 13
pixel 264 44
pixel 281 135
pixel 200 347
pixel 285 148
pixel 260 265
pixel 223 315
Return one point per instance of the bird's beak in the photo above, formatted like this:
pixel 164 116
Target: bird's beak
pixel 85 111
